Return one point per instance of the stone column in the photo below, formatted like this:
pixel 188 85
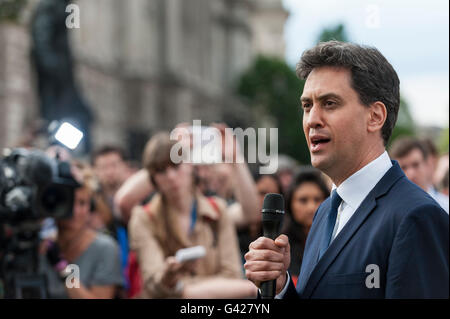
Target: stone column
pixel 17 97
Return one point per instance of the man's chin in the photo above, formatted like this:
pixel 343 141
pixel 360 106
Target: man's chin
pixel 319 161
pixel 316 161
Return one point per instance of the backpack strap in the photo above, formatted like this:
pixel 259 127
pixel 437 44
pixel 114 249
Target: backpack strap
pixel 213 203
pixel 214 223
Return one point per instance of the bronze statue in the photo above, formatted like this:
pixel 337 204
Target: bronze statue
pixel 59 96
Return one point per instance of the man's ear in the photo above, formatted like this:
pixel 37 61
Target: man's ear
pixel 377 116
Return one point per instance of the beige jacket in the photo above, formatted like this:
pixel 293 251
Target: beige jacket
pixel 154 236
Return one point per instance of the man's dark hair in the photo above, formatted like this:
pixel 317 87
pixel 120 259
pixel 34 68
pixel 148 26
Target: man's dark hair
pixel 107 149
pixel 373 77
pixel 405 145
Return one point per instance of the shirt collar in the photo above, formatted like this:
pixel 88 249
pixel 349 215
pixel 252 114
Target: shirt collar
pixel 355 188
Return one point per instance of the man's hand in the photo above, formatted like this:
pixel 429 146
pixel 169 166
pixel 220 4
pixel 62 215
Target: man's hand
pixel 268 260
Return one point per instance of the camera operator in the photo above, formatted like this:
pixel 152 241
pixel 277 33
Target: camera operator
pixel 96 254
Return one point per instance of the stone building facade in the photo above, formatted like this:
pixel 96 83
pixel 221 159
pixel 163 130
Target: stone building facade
pixel 17 96
pixel 146 65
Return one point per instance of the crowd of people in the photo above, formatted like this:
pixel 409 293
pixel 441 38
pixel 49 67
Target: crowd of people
pixel 128 224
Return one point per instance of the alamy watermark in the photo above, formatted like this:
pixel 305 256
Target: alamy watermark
pixel 208 145
pixel 73 19
pixel 72 272
pixel 373 279
pixel 373 16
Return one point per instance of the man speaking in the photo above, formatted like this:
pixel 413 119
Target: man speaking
pixel 378 235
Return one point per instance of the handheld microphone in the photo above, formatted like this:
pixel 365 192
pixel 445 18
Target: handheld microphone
pixel 272 218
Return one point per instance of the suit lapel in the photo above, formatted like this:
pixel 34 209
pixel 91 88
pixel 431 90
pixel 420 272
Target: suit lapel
pixel 312 246
pixel 345 235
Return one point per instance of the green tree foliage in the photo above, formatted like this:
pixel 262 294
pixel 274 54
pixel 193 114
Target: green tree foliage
pixel 334 33
pixel 10 9
pixel 272 88
pixel 405 125
pixel 444 141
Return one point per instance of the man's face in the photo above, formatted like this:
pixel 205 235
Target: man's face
pixel 110 169
pixel 334 121
pixel 415 168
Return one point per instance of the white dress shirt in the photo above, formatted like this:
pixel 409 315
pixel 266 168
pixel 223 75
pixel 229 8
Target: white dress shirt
pixel 353 191
pixel 356 188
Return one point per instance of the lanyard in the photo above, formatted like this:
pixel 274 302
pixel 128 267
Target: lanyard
pixel 193 216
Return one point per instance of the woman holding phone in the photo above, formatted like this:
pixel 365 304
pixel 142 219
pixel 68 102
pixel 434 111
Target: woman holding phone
pixel 178 217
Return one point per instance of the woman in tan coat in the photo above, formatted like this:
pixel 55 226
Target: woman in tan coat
pixel 177 217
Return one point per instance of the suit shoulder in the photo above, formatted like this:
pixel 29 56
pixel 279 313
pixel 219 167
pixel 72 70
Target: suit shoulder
pixel 407 199
pixel 409 195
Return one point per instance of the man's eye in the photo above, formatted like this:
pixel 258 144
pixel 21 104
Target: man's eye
pixel 330 103
pixel 306 105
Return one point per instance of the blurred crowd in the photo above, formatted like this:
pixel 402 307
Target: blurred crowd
pixel 128 223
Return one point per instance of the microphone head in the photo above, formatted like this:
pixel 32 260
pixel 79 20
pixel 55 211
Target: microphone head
pixel 273 203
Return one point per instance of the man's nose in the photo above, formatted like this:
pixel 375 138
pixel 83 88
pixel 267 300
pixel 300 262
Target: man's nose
pixel 314 117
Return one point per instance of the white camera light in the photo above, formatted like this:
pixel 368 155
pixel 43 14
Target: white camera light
pixel 69 135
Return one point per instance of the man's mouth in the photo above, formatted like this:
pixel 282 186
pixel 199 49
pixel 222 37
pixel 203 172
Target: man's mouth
pixel 318 143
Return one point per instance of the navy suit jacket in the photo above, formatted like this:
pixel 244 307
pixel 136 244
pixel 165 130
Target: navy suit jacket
pixel 399 228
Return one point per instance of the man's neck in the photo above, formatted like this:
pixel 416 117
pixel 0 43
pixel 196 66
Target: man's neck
pixel 370 156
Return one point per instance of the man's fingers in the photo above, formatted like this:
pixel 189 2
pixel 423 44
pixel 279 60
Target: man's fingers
pixel 266 243
pixel 282 241
pixel 263 266
pixel 264 255
pixel 259 276
pixel 267 259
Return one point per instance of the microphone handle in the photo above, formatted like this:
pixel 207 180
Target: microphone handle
pixel 268 288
